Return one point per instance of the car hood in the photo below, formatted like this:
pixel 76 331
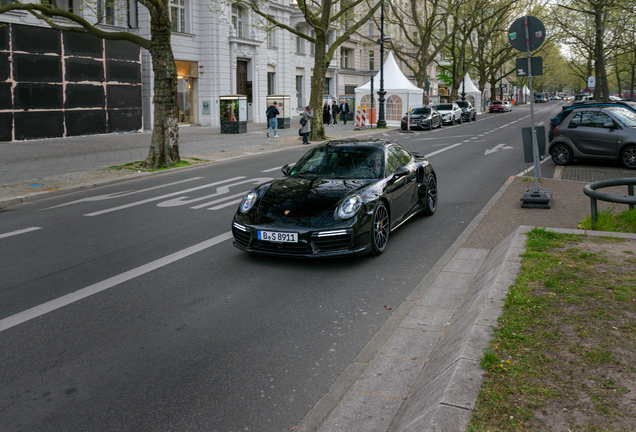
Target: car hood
pixel 298 198
pixel 417 116
pixel 445 111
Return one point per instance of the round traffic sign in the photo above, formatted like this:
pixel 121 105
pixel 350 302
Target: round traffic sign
pixel 517 34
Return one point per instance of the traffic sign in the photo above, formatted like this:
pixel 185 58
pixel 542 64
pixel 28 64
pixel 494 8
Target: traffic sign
pixel 517 34
pixel 591 82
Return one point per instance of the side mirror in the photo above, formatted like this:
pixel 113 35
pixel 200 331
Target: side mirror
pixel 609 125
pixel 286 169
pixel 400 172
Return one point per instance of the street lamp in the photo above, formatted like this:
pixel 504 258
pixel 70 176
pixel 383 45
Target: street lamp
pixel 381 120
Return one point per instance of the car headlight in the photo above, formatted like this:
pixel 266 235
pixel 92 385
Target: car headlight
pixel 349 207
pixel 248 202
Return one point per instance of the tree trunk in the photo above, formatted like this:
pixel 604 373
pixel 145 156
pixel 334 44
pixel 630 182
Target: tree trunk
pixel 601 73
pixel 164 146
pixel 318 87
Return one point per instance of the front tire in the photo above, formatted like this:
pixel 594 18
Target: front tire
pixel 380 228
pixel 561 154
pixel 628 157
pixel 430 205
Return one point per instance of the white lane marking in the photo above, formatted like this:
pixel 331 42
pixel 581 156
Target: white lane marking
pixel 531 167
pixel 226 204
pixel 125 206
pixel 122 194
pixel 240 194
pixel 221 190
pixel 50 306
pixel 22 231
pixel 497 148
pixel 273 169
pixel 442 150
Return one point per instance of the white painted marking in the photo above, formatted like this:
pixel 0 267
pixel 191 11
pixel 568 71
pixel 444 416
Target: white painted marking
pixel 125 206
pixel 497 148
pixel 272 169
pixel 442 150
pixel 226 204
pixel 22 231
pixel 222 190
pixel 557 172
pixel 122 194
pixel 240 194
pixel 50 306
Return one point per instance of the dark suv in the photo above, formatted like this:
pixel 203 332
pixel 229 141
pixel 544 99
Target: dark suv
pixel 468 110
pixel 596 132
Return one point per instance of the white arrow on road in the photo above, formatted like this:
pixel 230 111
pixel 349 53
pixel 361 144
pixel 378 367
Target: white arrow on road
pixel 497 148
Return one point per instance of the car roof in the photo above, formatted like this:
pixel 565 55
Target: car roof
pixel 379 143
pixel 582 104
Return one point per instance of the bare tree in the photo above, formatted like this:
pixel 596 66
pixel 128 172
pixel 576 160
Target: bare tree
pixel 322 18
pixel 164 146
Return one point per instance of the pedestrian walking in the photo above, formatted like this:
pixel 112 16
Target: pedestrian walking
pixel 326 113
pixel 271 113
pixel 344 111
pixel 305 121
pixel 334 112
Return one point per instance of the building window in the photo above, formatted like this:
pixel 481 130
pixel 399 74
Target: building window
pixel 299 90
pixel 348 15
pixel 346 58
pixel 370 28
pixel 67 5
pixel 178 15
pixel 327 86
pixel 238 20
pixel 106 11
pixel 271 36
pixel 349 90
pixel 371 60
pixel 271 83
pixel 300 43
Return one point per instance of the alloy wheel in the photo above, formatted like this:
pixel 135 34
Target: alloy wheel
pixel 628 157
pixel 381 229
pixel 431 195
pixel 561 155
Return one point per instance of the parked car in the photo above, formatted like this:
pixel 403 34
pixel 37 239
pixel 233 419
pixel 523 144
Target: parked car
pixel 340 198
pixel 508 106
pixel 597 133
pixel 451 112
pixel 566 109
pixel 423 118
pixel 468 110
pixel 496 106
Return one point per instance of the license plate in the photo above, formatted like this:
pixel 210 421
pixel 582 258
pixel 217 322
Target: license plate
pixel 278 237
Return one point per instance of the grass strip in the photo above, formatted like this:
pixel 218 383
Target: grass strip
pixel 564 354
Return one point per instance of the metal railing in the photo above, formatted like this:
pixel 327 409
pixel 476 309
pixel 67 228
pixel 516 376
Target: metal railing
pixel 590 190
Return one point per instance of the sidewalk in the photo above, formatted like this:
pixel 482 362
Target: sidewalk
pixel 55 164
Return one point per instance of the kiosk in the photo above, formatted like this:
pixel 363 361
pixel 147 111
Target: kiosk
pixel 233 114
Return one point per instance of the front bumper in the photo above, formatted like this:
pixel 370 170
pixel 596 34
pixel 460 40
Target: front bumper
pixel 312 243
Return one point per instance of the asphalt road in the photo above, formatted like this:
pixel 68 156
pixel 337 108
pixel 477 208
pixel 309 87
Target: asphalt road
pixel 127 307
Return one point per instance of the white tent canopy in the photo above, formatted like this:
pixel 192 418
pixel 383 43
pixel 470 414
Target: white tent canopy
pixel 472 93
pixel 401 94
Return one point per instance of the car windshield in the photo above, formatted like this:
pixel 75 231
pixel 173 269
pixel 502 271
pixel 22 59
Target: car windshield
pixel 351 162
pixel 625 116
pixel 421 111
pixel 463 104
pixel 444 107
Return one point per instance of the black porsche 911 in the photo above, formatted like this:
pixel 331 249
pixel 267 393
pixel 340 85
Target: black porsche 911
pixel 340 198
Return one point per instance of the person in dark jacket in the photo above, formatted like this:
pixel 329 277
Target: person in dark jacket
pixel 334 112
pixel 344 111
pixel 326 113
pixel 271 113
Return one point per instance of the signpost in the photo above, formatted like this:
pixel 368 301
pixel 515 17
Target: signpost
pixel 527 34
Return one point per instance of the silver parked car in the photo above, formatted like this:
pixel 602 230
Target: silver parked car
pixel 600 133
pixel 451 112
